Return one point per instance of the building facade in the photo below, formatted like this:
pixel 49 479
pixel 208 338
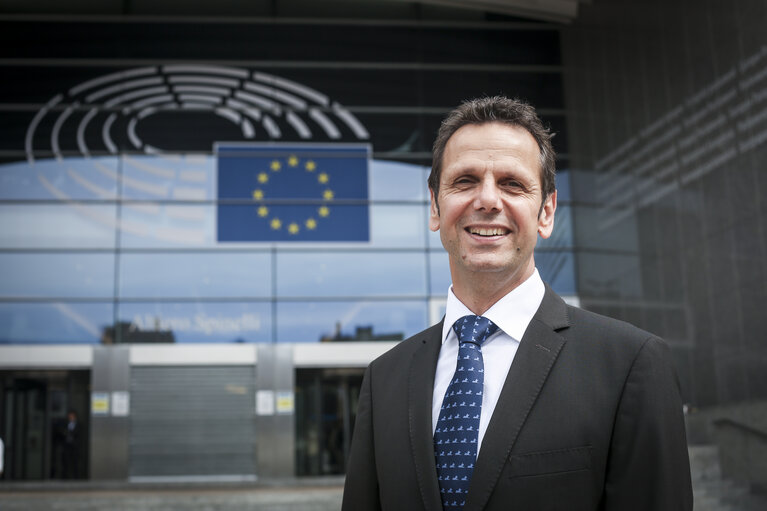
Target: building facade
pixel 188 263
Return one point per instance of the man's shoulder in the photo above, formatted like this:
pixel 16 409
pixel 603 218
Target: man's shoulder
pixel 588 320
pixel 573 321
pixel 608 335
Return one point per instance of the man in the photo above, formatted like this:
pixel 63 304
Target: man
pixel 575 411
pixel 71 436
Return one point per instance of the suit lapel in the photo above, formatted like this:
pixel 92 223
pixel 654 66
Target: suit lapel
pixel 536 354
pixel 420 390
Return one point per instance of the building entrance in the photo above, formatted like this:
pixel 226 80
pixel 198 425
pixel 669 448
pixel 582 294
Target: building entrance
pixel 44 424
pixel 326 406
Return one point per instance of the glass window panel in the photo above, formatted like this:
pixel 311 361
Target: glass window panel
pixel 195 322
pixel 562 235
pixel 198 275
pixel 439 268
pixel 57 275
pixel 563 185
pixel 384 320
pixel 60 322
pixel 391 180
pixel 164 225
pixel 67 179
pixel 351 274
pixel 57 226
pixel 397 226
pixel 168 177
pixel 605 274
pixel 557 268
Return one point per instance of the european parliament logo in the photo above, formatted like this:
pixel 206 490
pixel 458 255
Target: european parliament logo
pixel 293 192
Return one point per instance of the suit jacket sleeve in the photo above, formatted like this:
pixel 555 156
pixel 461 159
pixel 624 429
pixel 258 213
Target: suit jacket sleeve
pixel 648 467
pixel 361 486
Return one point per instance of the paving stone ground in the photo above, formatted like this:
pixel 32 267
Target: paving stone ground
pixel 188 499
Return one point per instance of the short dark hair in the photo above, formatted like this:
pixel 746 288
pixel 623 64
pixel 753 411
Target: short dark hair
pixel 501 109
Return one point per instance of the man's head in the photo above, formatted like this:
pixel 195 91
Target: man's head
pixel 490 202
pixel 503 110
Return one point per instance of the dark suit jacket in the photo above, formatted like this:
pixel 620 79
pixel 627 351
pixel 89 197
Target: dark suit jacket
pixel 590 418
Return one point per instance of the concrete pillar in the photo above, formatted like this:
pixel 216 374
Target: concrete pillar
pixel 110 424
pixel 275 432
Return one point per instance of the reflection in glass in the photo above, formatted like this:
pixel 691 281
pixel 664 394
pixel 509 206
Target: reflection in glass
pixel 194 322
pixel 439 268
pixel 49 323
pixel 72 225
pixel 196 275
pixel 397 226
pixel 396 181
pixel 562 235
pixel 66 179
pixel 557 268
pixel 57 275
pixel 350 321
pixel 168 177
pixel 362 273
pixel 161 225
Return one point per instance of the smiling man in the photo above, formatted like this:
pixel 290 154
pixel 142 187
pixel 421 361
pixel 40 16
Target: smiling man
pixel 515 400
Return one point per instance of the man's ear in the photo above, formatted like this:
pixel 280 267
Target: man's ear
pixel 433 212
pixel 546 216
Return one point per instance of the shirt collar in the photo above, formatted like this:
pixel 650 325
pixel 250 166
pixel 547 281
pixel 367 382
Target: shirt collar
pixel 512 313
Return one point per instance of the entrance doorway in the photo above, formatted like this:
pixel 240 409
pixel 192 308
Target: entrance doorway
pixel 326 406
pixel 40 440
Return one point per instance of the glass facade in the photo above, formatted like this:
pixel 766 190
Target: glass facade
pixel 112 199
pixel 116 250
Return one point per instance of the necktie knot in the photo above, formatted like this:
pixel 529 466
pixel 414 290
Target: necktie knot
pixel 474 329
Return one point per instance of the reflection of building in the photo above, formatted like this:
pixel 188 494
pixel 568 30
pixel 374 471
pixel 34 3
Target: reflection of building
pixel 361 334
pixel 108 212
pixel 127 333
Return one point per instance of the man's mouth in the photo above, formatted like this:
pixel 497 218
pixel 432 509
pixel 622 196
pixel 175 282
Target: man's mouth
pixel 488 231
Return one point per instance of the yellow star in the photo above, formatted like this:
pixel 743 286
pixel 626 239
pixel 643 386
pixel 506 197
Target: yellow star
pixel 275 223
pixel 263 177
pixel 258 194
pixel 324 211
pixel 327 194
pixel 310 166
pixel 323 178
pixel 263 211
pixel 293 228
pixel 275 166
pixel 311 224
pixel 293 161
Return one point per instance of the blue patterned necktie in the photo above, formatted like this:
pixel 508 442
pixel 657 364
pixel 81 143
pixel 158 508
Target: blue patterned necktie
pixel 455 437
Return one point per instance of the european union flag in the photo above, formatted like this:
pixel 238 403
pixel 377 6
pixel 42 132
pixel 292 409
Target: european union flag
pixel 293 192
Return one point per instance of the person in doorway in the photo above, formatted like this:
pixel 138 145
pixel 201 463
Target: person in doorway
pixel 515 400
pixel 71 443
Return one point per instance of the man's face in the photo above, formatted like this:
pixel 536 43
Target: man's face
pixel 489 201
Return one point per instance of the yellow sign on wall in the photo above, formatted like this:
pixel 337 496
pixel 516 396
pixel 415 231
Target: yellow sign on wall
pixel 99 403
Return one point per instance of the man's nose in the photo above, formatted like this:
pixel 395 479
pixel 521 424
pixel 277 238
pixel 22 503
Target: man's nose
pixel 488 196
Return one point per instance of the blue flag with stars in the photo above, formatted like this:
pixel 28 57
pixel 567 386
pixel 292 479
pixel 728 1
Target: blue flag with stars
pixel 293 192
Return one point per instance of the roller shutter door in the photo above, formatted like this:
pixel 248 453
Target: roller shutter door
pixel 192 421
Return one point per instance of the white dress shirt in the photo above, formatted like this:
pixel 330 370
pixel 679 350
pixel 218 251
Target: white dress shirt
pixel 512 314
